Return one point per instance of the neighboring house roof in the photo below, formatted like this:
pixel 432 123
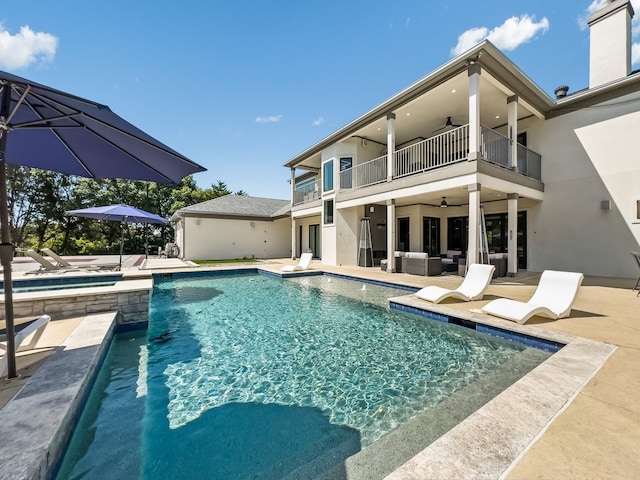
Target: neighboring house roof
pixel 240 206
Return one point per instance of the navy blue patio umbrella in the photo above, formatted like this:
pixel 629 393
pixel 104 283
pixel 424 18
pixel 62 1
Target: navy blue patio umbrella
pixel 119 213
pixel 49 129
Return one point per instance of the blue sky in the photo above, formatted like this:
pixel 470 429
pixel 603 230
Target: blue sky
pixel 241 87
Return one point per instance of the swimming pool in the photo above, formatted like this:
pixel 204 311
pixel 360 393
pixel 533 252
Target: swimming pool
pixel 250 376
pixel 58 283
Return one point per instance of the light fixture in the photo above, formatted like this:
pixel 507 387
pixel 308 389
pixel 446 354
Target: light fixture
pixel 453 91
pixel 443 203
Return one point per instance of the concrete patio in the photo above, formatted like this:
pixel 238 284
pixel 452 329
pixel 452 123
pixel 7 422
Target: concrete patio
pixel 594 436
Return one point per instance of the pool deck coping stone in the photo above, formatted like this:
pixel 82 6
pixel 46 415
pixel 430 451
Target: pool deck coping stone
pixel 488 442
pixel 36 424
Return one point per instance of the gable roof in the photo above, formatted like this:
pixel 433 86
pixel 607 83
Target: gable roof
pixel 237 206
pixel 488 56
pixel 499 67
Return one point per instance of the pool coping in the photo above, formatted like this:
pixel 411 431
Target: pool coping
pixel 489 442
pixel 37 423
pixel 485 445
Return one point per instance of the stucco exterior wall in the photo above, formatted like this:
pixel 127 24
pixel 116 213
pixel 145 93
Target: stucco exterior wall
pixel 221 239
pixel 348 236
pixel 589 157
pixel 329 253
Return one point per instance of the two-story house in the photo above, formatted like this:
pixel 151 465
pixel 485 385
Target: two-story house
pixel 476 157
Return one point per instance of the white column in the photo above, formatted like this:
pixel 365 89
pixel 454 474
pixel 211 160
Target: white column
pixel 473 248
pixel 391 235
pixel 293 238
pixel 512 120
pixel 391 145
pixel 474 112
pixel 512 240
pixel 293 220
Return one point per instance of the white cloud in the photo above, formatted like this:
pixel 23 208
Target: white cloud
pixel 594 6
pixel 635 53
pixel 269 119
pixel 26 48
pixel 511 34
pixel 635 21
pixel 318 121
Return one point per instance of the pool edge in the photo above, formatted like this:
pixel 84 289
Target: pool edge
pixel 38 421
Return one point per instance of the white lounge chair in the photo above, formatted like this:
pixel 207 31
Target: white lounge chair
pixel 472 288
pixel 64 263
pixel 44 263
pixel 31 332
pixel 303 264
pixel 553 298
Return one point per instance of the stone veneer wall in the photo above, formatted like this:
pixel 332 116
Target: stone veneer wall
pixel 132 304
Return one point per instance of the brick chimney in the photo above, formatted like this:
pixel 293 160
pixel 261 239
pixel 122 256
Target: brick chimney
pixel 610 49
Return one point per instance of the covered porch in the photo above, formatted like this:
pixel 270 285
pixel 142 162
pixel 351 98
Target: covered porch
pixel 474 221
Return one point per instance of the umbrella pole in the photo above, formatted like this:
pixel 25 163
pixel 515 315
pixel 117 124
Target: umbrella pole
pixel 121 243
pixel 6 247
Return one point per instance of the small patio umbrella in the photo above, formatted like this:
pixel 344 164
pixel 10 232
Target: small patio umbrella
pixel 119 213
pixel 52 130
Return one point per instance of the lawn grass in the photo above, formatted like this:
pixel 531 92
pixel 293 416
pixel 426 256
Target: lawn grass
pixel 233 260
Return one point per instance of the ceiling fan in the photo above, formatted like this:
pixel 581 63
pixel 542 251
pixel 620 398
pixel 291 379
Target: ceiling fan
pixel 444 204
pixel 448 123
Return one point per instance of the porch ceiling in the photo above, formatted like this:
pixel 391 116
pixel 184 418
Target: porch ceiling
pixel 426 115
pixel 457 196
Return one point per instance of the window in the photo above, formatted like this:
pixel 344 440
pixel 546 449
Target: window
pixel 327 176
pixel 328 212
pixel 497 233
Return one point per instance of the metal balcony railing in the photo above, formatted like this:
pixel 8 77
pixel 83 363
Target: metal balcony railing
pixel 307 192
pixel 529 163
pixel 368 173
pixel 443 149
pixel 494 147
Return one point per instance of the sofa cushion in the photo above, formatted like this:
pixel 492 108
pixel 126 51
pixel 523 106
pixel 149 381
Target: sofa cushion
pixel 421 255
pixel 453 253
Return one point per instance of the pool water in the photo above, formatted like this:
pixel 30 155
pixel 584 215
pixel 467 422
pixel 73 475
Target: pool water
pixel 249 376
pixel 46 288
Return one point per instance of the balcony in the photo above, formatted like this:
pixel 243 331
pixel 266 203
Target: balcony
pixel 368 173
pixel 436 152
pixel 439 151
pixel 306 192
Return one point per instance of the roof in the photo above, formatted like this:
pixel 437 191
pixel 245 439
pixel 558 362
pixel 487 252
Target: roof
pixel 237 206
pixel 501 68
pixel 485 53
